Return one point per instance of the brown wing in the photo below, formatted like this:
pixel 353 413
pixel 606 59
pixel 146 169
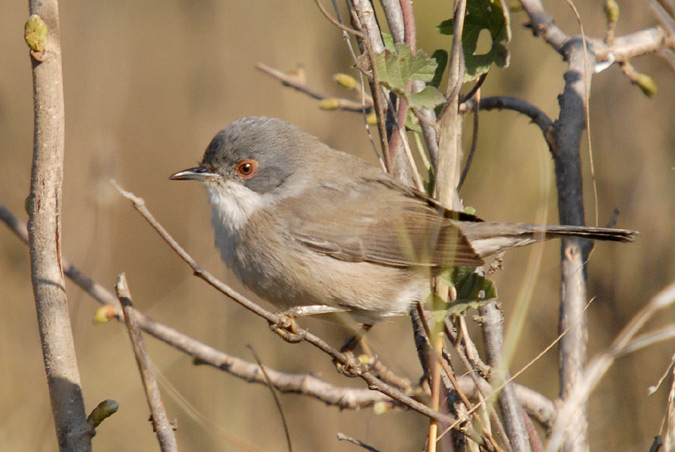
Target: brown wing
pixel 377 220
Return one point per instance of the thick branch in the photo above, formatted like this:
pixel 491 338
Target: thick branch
pixel 599 366
pixel 625 47
pixel 543 26
pixel 635 44
pixel 493 337
pixel 450 152
pixel 569 128
pixel 45 200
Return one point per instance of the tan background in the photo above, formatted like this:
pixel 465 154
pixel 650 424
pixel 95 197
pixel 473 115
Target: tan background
pixel 148 83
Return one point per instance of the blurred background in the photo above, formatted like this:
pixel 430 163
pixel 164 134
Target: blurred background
pixel 147 84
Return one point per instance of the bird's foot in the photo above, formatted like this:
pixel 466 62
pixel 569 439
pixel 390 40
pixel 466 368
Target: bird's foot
pixel 287 327
pixel 354 367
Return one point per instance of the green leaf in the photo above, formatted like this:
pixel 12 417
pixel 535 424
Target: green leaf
pixel 388 42
pixel 482 15
pixel 396 69
pixel 410 123
pixel 460 307
pixel 473 290
pixel 447 27
pixel 441 57
pixel 429 97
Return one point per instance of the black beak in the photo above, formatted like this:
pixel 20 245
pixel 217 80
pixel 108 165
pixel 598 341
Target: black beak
pixel 197 173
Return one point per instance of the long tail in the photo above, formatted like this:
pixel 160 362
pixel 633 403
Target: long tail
pixel 489 238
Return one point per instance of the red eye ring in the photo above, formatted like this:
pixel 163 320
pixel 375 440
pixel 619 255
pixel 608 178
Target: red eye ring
pixel 246 169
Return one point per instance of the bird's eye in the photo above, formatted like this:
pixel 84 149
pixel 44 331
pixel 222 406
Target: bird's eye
pixel 246 169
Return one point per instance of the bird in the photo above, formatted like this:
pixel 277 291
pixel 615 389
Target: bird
pixel 314 230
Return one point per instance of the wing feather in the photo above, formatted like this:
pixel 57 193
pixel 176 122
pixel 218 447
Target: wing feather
pixel 402 228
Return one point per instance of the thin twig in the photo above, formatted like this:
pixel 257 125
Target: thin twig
pixel 160 421
pixel 300 85
pixel 340 25
pixel 361 89
pixel 474 89
pixel 474 142
pixel 277 402
pixel 552 414
pixel 343 437
pixel 436 356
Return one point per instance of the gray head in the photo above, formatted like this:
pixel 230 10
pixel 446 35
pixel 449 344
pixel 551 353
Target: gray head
pixel 251 164
pixel 260 153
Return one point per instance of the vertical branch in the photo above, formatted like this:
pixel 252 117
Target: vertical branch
pixel 568 130
pixel 393 146
pixel 512 413
pixel 401 15
pixel 450 154
pixel 364 20
pixel 44 226
pixel 428 115
pixel 574 252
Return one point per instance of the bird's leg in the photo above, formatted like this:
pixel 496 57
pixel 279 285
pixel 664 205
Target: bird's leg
pixel 354 367
pixel 355 339
pixel 287 327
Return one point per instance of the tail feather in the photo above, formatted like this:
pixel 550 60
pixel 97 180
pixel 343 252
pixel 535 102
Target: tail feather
pixel 488 238
pixel 593 233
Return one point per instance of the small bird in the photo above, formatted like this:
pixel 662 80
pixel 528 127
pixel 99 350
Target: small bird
pixel 316 231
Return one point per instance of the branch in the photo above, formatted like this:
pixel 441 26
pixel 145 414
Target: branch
pixel 599 366
pixel 538 406
pixel 401 21
pixel 542 24
pixel 160 422
pixel 493 337
pixel 537 116
pixel 44 206
pixel 567 133
pixel 635 44
pixel 298 84
pixel 450 153
pixel 623 48
pixel 363 18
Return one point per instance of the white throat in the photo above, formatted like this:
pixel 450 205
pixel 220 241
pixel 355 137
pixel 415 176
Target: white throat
pixel 232 204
